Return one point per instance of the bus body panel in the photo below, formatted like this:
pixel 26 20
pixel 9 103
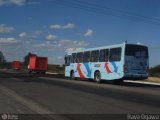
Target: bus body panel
pixel 108 70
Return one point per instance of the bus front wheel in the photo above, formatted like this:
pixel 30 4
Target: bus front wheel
pixel 97 77
pixel 72 76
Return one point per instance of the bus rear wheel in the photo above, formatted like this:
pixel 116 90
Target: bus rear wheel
pixel 97 77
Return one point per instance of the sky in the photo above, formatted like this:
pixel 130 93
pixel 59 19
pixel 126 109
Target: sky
pixel 52 27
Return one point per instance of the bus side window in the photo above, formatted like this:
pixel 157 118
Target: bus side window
pixel 79 57
pixel 86 56
pixel 115 54
pixel 73 60
pixel 95 56
pixel 104 54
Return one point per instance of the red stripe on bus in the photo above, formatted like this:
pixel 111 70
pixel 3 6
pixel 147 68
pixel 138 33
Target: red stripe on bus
pixel 79 70
pixel 107 68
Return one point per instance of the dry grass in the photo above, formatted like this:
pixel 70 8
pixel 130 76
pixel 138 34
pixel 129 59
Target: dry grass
pixel 153 79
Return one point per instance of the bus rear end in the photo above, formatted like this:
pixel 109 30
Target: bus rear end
pixel 136 62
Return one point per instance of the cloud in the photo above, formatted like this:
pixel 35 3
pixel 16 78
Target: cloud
pixel 8 40
pixel 37 32
pixel 46 45
pixel 15 2
pixel 60 57
pixel 40 45
pixel 5 29
pixel 74 49
pixel 23 35
pixel 67 26
pixel 88 33
pixel 62 44
pixel 138 43
pixel 34 3
pixel 72 44
pixel 51 37
pixel 48 42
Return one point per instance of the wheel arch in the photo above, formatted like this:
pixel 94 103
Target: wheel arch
pixel 72 71
pixel 96 71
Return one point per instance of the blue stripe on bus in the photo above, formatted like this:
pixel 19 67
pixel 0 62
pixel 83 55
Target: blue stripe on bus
pixel 115 66
pixel 88 69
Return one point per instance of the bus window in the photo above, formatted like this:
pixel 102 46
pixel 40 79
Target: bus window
pixel 95 56
pixel 67 60
pixel 136 51
pixel 86 56
pixel 80 57
pixel 73 58
pixel 103 57
pixel 115 54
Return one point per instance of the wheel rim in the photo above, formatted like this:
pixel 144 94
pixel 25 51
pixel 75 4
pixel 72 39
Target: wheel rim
pixel 97 77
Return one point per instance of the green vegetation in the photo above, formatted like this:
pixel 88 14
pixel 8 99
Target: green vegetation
pixel 5 65
pixel 155 71
pixel 56 69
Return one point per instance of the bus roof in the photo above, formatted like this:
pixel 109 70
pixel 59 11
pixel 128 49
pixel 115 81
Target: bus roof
pixel 103 47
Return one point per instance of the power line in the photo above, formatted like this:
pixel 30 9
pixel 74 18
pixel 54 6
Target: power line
pixel 94 8
pixel 117 10
pixel 91 7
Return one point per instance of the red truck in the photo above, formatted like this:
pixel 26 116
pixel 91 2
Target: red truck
pixel 38 64
pixel 16 65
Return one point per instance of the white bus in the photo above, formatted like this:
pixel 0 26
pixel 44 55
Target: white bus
pixel 115 62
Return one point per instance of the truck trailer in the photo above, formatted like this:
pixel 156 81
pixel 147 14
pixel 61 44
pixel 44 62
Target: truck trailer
pixel 38 64
pixel 16 65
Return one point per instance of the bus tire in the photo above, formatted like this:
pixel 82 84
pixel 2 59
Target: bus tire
pixel 72 76
pixel 97 77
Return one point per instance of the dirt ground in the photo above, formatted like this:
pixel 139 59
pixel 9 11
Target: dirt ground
pixel 153 79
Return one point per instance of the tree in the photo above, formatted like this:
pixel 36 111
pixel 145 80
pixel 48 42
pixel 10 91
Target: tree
pixel 26 58
pixel 2 58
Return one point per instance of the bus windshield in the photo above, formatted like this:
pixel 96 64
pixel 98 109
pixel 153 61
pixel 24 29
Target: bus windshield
pixel 137 51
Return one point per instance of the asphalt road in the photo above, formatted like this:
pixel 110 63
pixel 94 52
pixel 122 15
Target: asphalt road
pixel 52 94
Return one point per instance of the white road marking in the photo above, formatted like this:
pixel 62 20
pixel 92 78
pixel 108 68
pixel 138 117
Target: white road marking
pixel 148 83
